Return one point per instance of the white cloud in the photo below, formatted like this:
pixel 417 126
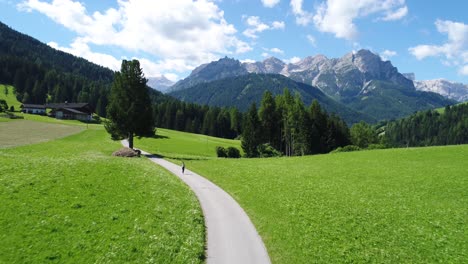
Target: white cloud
pixel 463 70
pixel 192 31
pixel 454 51
pixel 270 3
pixel 277 51
pixel 265 54
pixel 256 26
pixel 247 61
pixel 396 15
pixel 171 76
pixel 81 49
pixel 302 17
pixel 292 60
pixel 387 54
pixel 337 16
pixel 311 40
pixel 278 25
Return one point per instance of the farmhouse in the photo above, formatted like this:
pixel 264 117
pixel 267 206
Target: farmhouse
pixel 78 111
pixel 33 109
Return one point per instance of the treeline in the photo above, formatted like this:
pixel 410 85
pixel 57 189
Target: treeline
pixel 42 74
pixel 430 128
pixel 284 124
pixel 194 118
pixel 38 85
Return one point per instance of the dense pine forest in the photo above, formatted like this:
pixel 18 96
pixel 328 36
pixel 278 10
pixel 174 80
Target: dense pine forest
pixel 283 123
pixel 42 74
pixel 430 128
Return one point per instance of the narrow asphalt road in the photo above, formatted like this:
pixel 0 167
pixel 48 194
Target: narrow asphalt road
pixel 232 237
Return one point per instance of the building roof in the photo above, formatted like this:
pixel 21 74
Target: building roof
pixel 71 110
pixel 38 106
pixel 66 105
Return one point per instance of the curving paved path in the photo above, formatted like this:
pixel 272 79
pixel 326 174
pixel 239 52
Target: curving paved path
pixel 232 238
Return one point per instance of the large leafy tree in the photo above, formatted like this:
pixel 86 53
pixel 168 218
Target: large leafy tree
pixel 130 111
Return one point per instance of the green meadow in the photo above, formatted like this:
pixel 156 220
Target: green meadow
pixel 9 97
pixel 69 201
pixel 381 206
pixel 182 145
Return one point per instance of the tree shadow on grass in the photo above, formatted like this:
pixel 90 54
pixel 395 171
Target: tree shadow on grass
pixel 159 156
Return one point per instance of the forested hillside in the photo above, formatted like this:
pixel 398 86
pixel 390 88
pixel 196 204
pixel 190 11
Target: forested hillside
pixel 430 128
pixel 42 74
pixel 241 91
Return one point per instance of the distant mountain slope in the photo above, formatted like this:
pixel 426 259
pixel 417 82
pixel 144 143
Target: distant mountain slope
pixel 41 74
pixel 448 89
pixel 360 80
pixel 241 91
pixel 161 83
pixel 215 70
pixel 18 45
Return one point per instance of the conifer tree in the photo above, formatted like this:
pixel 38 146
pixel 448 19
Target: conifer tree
pixel 268 118
pixel 251 133
pixel 129 111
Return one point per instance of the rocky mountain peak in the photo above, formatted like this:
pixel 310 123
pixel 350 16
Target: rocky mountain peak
pixel 448 89
pixel 160 83
pixel 273 65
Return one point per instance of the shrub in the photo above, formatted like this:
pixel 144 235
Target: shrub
pixel 347 148
pixel 221 152
pixel 376 146
pixel 12 108
pixel 266 151
pixel 233 152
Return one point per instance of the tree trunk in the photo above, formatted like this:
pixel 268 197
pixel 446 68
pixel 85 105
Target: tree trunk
pixel 130 140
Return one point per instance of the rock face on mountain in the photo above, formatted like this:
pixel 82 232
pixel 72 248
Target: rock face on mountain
pixel 161 83
pixel 448 89
pixel 348 76
pixel 241 91
pixel 359 80
pixel 215 70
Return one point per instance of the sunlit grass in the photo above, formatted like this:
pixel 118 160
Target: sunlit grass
pixel 382 206
pixel 70 201
pixel 176 144
pixel 9 97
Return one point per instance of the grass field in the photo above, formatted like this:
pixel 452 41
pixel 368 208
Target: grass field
pixel 382 206
pixel 25 132
pixel 69 201
pixel 176 144
pixel 10 97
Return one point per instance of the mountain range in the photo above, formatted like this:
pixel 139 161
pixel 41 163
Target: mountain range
pixel 160 83
pixel 241 91
pixel 448 89
pixel 359 80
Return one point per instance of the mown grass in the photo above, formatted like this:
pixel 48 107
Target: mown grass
pixel 176 144
pixel 69 201
pixel 382 206
pixel 10 97
pixel 25 132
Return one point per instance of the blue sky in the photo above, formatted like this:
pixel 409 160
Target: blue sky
pixel 429 38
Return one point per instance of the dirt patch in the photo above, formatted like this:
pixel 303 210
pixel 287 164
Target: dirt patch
pixel 126 152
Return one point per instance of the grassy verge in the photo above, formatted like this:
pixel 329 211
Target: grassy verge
pixel 9 97
pixel 176 144
pixel 69 201
pixel 383 206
